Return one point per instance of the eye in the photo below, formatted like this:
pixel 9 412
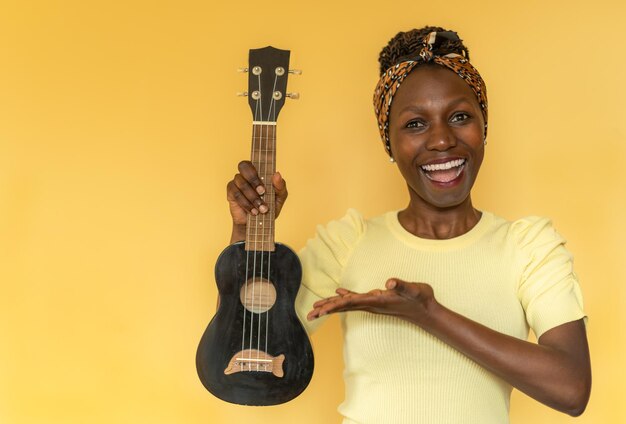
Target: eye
pixel 459 117
pixel 415 124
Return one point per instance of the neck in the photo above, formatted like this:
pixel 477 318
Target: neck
pixel 430 222
pixel 260 228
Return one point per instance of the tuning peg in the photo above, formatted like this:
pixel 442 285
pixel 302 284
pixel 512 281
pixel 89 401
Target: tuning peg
pixel 293 96
pixel 295 71
pixel 243 94
pixel 242 70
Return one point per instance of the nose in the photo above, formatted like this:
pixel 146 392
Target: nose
pixel 441 138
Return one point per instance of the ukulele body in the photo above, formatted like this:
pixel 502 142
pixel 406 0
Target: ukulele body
pixel 251 354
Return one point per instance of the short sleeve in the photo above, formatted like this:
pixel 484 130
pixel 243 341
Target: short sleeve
pixel 323 260
pixel 548 289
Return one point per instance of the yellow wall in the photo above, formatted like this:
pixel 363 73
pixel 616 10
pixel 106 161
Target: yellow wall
pixel 119 129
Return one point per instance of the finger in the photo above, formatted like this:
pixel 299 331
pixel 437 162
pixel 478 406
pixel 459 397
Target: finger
pixel 322 302
pixel 345 301
pixel 280 190
pixel 351 301
pixel 325 306
pixel 406 289
pixel 325 310
pixel 314 314
pixel 280 185
pixel 401 286
pixel 249 194
pixel 391 284
pixel 235 195
pixel 344 304
pixel 249 173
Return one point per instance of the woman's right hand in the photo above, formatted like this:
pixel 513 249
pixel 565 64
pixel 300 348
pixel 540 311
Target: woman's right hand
pixel 244 194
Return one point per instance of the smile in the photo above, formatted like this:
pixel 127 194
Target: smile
pixel 444 172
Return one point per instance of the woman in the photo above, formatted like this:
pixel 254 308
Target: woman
pixel 439 297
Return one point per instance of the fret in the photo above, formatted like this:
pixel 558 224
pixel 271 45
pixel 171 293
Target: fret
pixel 260 241
pixel 260 234
pixel 265 169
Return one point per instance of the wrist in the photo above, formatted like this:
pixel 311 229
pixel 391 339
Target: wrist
pixel 238 233
pixel 434 316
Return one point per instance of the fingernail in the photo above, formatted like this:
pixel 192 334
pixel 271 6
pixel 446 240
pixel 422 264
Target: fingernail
pixel 260 189
pixel 263 208
pixel 254 212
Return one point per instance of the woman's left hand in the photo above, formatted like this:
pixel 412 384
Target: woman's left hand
pixel 410 301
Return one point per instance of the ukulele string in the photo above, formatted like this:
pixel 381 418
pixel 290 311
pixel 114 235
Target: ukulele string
pixel 247 274
pixel 263 171
pixel 245 283
pixel 271 194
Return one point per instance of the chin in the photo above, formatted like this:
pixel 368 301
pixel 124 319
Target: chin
pixel 445 195
pixel 446 202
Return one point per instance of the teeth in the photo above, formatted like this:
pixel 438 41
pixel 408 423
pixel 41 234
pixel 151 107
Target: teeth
pixel 443 166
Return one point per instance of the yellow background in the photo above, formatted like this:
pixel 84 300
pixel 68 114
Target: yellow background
pixel 119 129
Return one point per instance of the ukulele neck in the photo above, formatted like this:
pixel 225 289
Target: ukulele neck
pixel 260 228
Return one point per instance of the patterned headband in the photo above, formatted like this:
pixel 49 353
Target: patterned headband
pixel 390 81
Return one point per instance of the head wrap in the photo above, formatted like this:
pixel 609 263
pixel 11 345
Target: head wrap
pixel 390 81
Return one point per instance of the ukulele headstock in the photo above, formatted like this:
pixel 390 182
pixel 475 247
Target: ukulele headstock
pixel 268 69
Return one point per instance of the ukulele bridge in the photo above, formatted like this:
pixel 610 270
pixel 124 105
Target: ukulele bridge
pixel 257 361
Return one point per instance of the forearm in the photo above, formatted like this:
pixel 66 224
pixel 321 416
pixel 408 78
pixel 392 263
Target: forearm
pixel 238 233
pixel 547 374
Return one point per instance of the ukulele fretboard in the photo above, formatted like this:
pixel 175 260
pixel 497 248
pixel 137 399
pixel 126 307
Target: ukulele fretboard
pixel 260 228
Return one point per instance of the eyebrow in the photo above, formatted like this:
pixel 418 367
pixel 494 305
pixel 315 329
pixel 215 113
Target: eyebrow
pixel 453 103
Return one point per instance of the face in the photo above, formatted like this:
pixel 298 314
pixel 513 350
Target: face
pixel 436 131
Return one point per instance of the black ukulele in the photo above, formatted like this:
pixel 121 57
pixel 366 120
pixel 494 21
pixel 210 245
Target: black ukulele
pixel 255 350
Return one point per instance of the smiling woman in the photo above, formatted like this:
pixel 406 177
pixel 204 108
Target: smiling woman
pixel 438 297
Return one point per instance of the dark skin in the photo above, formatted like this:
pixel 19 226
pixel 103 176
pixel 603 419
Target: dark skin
pixel 434 118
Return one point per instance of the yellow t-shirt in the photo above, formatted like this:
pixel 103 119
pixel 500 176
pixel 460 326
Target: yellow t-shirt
pixel 509 276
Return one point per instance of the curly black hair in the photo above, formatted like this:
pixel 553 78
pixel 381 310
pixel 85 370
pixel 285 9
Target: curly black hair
pixel 406 45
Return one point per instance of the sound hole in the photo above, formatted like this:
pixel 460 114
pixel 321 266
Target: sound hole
pixel 258 295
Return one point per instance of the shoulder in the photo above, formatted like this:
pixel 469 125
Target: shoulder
pixel 526 233
pixel 351 226
pixel 337 238
pixel 530 241
pixel 534 229
pixel 536 237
